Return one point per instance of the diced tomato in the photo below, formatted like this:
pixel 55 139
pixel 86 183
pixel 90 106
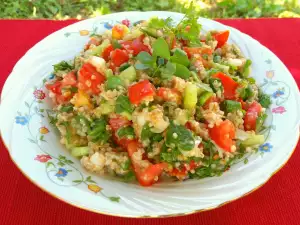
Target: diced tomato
pixel 126 45
pixel 183 172
pixel 149 175
pixel 55 87
pixel 60 99
pixel 92 41
pixel 69 79
pixel 229 85
pixel 123 142
pixel 89 79
pixel 62 95
pixel 251 115
pixel 118 122
pixel 171 40
pixel 141 90
pixel 136 46
pixel 191 51
pixel 244 104
pixel 201 61
pixel 106 52
pixel 118 57
pixel 223 134
pixel 170 95
pixel 221 37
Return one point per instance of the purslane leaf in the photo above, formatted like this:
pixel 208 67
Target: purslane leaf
pixel 161 48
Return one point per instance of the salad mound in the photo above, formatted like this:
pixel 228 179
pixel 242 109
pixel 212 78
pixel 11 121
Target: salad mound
pixel 159 99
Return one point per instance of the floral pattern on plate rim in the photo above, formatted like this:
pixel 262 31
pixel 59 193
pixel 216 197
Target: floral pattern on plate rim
pixel 57 167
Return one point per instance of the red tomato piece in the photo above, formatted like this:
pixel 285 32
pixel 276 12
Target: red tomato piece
pixel 106 52
pixel 191 51
pixel 170 95
pixel 118 122
pixel 126 45
pixel 171 40
pixel 141 90
pixel 60 99
pixel 149 175
pixel 221 37
pixel 251 115
pixel 55 87
pixel 229 85
pixel 244 104
pixel 92 41
pixel 69 79
pixel 183 172
pixel 223 135
pixel 136 46
pixel 118 57
pixel 89 79
pixel 121 142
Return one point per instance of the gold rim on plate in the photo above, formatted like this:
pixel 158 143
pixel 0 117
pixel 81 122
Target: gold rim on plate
pixel 149 216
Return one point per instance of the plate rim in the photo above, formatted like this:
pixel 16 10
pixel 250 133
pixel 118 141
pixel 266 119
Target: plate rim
pixel 154 216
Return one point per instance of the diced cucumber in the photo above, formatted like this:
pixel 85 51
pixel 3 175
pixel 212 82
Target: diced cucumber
pixel 149 31
pixel 99 49
pixel 127 115
pixel 109 73
pixel 128 75
pixel 254 140
pixel 80 151
pixel 247 68
pixel 68 145
pixel 190 96
pixel 204 97
pixel 113 82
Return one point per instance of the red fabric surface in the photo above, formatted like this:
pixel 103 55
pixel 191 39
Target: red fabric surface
pixel 277 202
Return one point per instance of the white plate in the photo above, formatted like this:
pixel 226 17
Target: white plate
pixel 21 124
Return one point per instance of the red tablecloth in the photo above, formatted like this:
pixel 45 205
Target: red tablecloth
pixel 277 202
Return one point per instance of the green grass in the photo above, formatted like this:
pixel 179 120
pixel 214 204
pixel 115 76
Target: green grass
pixel 64 9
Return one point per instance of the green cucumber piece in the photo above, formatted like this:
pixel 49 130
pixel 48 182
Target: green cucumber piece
pixel 99 49
pixel 113 82
pixel 190 96
pixel 80 151
pixel 128 75
pixel 254 140
pixel 204 97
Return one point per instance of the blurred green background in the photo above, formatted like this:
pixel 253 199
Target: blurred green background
pixel 80 9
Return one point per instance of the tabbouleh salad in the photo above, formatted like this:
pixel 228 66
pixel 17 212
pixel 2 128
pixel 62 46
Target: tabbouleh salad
pixel 158 99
